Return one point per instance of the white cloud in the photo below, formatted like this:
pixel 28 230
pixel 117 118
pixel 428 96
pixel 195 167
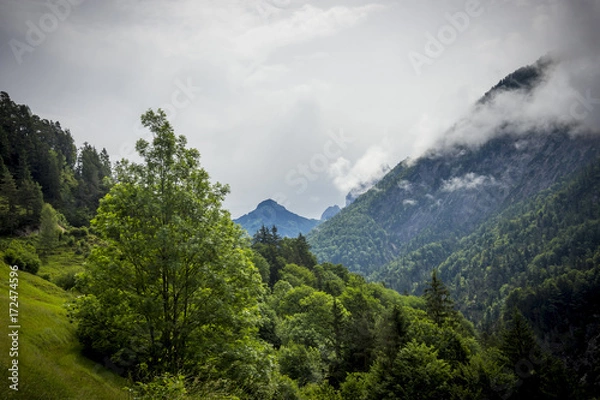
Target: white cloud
pixel 369 168
pixel 306 23
pixel 569 95
pixel 469 181
pixel 318 56
pixel 405 185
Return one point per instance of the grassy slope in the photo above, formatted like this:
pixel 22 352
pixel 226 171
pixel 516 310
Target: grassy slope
pixel 50 363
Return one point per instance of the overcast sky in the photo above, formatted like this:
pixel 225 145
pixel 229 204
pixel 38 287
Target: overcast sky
pixel 287 99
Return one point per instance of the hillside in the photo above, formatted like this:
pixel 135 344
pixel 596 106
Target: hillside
pixel 50 362
pixel 269 213
pixel 535 239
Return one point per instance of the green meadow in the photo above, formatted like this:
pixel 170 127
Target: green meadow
pixel 49 356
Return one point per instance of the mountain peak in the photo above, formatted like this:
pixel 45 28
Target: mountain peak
pixel 268 213
pixel 269 203
pixel 330 212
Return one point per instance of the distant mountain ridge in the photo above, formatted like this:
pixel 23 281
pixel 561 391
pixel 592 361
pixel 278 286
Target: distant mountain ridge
pixel 269 213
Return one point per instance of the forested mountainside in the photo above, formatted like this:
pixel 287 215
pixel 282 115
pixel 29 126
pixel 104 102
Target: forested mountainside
pixel 39 163
pixel 540 256
pixel 452 189
pixel 446 195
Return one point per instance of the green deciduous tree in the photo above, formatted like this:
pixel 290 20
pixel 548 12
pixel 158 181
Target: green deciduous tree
pixel 22 255
pixel 416 373
pixel 173 283
pixel 359 336
pixel 301 363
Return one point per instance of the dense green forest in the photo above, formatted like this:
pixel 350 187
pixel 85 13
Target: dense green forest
pixel 163 290
pixel 538 254
pixel 541 257
pixel 39 163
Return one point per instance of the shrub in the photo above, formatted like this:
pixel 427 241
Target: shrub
pixel 82 248
pixel 161 387
pixel 66 281
pixel 22 255
pixel 70 241
pixel 79 232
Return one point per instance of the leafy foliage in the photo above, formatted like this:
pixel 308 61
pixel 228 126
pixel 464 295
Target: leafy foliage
pixel 172 289
pixel 345 338
pixel 22 255
pixel 540 255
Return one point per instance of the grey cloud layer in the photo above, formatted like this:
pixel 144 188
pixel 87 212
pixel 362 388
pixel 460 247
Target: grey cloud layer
pixel 275 77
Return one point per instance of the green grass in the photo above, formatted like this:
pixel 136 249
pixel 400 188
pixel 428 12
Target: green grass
pixel 60 263
pixel 50 362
